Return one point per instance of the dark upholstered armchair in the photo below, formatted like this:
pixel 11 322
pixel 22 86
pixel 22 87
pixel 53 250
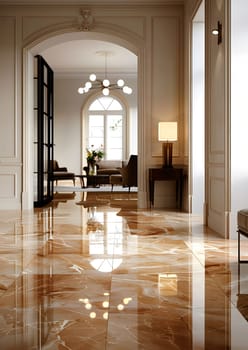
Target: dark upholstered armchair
pixel 128 174
pixel 60 173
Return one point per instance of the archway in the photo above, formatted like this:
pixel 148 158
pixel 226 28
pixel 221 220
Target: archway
pixel 36 47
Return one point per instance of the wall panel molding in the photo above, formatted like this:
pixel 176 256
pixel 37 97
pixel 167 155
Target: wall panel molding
pixel 166 77
pixel 10 187
pixel 8 69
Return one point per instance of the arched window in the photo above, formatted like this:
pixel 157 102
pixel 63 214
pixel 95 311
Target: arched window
pixel 106 126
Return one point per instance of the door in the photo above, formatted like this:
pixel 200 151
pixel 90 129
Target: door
pixel 43 132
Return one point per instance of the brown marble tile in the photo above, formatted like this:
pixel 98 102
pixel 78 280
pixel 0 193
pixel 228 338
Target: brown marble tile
pixel 91 271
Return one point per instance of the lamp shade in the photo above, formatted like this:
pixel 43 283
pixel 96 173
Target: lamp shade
pixel 167 131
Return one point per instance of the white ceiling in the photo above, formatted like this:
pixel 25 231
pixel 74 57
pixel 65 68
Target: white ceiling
pixel 88 56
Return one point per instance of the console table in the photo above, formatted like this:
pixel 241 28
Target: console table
pixel 167 174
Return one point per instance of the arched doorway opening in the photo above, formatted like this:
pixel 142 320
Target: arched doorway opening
pixel 34 49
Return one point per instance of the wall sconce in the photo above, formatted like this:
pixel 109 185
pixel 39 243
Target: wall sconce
pixel 167 131
pixel 218 31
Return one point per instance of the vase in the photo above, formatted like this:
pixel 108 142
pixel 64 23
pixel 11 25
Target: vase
pixel 92 169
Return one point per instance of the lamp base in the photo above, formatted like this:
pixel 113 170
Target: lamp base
pixel 167 154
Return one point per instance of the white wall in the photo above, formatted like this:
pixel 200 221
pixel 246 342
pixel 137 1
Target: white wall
pixel 67 124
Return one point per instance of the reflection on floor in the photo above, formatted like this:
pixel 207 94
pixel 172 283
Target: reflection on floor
pixel 90 271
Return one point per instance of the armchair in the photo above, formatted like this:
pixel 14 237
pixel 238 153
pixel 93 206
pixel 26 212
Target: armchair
pixel 60 173
pixel 128 174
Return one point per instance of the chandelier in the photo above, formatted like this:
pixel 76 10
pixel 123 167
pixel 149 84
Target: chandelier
pixel 104 85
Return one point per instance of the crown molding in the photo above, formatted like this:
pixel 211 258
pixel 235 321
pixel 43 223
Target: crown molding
pixel 89 3
pixel 77 74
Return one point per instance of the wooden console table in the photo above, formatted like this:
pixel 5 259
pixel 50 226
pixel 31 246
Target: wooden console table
pixel 167 174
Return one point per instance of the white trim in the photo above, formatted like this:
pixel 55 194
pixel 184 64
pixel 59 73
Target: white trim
pixel 27 187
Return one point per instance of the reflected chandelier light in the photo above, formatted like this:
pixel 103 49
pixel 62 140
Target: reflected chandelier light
pixel 104 85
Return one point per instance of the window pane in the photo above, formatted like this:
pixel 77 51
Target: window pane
pixel 96 106
pixel 45 75
pixel 114 154
pixel 115 133
pixel 96 142
pixel 114 124
pixel 35 127
pixel 114 143
pixel 106 102
pixel 115 106
pixel 45 98
pixel 96 130
pixel 96 120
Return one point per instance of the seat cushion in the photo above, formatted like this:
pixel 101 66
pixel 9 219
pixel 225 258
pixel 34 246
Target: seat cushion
pixel 242 219
pixel 110 164
pixel 103 171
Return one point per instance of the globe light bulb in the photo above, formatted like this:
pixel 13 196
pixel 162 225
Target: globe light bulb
pixel 92 77
pixel 88 85
pixel 127 90
pixel 120 82
pixel 81 90
pixel 105 91
pixel 105 83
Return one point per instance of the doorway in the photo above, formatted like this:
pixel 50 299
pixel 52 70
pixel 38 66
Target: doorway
pixel 37 49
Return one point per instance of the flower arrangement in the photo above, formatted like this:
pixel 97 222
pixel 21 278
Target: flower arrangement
pixel 94 155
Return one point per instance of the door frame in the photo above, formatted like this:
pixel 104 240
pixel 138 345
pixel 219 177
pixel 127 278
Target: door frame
pixel 54 37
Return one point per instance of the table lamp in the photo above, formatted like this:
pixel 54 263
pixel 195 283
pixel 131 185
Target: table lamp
pixel 167 131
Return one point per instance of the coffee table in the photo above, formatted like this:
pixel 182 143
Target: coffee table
pixel 95 180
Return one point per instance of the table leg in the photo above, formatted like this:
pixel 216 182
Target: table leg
pixel 82 182
pixel 151 192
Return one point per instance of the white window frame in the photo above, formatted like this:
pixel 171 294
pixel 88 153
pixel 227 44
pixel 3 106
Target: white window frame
pixel 86 113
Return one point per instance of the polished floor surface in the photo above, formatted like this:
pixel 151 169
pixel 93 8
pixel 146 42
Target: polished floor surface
pixel 90 271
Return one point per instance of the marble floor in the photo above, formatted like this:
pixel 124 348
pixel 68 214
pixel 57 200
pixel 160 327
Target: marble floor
pixel 90 271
